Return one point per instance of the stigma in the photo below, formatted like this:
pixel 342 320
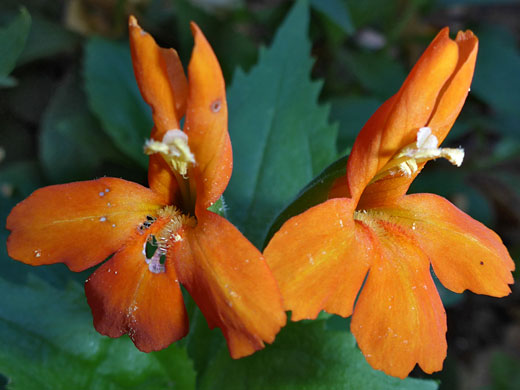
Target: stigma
pixel 174 149
pixel 426 148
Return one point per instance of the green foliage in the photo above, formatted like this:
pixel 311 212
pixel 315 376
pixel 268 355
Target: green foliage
pixel 281 137
pixel 12 42
pixel 48 342
pixel 46 39
pixel 114 97
pixel 70 133
pixel 337 11
pixel 505 371
pixel 305 356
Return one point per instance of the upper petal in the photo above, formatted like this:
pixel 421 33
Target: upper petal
pixel 399 319
pixel 164 87
pixel 231 283
pixel 319 259
pixel 464 253
pixel 79 224
pixel 160 77
pixel 432 94
pixel 127 297
pixel 206 123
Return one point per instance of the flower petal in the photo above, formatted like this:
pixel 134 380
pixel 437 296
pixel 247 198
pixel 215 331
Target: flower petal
pixel 319 260
pixel 464 253
pixel 206 123
pixel 126 297
pixel 232 285
pixel 399 319
pixel 79 224
pixel 395 124
pixel 160 78
pixel 164 87
pixel 449 104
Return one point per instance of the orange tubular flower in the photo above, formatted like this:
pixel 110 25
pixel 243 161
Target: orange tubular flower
pixel 136 292
pixel 369 225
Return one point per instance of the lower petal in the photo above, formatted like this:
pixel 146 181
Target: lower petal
pixel 399 319
pixel 79 224
pixel 231 283
pixel 126 296
pixel 319 260
pixel 464 253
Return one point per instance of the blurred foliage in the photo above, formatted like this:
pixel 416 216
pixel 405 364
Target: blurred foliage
pixel 70 110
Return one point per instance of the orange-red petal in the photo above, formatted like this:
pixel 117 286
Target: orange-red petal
pixel 231 283
pixel 464 253
pixel 399 319
pixel 206 123
pixel 320 259
pixel 79 224
pixel 127 297
pixel 164 87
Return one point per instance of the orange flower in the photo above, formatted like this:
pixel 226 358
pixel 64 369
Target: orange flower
pixel 369 225
pixel 136 292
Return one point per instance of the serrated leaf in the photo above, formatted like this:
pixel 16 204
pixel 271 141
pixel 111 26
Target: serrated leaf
pixel 48 342
pixel 114 97
pixel 305 356
pixel 281 137
pixel 12 41
pixel 72 146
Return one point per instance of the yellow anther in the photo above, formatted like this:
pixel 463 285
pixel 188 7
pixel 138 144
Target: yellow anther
pixel 174 149
pixel 424 149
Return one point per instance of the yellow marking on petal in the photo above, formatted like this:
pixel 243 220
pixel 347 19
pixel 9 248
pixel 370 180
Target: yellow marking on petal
pixel 174 149
pixel 423 150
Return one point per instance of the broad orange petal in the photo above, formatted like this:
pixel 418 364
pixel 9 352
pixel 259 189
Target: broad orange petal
pixel 164 87
pixel 399 319
pixel 231 283
pixel 464 253
pixel 206 123
pixel 396 123
pixel 126 297
pixel 319 260
pixel 79 224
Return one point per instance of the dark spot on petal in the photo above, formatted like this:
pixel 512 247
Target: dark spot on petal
pixel 216 106
pixel 481 263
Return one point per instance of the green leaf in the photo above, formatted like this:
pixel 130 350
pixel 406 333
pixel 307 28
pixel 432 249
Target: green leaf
pixel 48 342
pixel 377 72
pixel 337 11
pixel 47 39
pixel 72 146
pixel 496 75
pixel 305 356
pixel 114 97
pixel 12 42
pixel 281 137
pixel 505 371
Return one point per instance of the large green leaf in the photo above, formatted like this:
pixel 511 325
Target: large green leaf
pixel 72 146
pixel 496 76
pixel 114 97
pixel 48 342
pixel 12 42
pixel 281 136
pixel 337 11
pixel 305 356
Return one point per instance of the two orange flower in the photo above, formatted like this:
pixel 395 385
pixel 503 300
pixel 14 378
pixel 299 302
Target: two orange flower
pixel 368 231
